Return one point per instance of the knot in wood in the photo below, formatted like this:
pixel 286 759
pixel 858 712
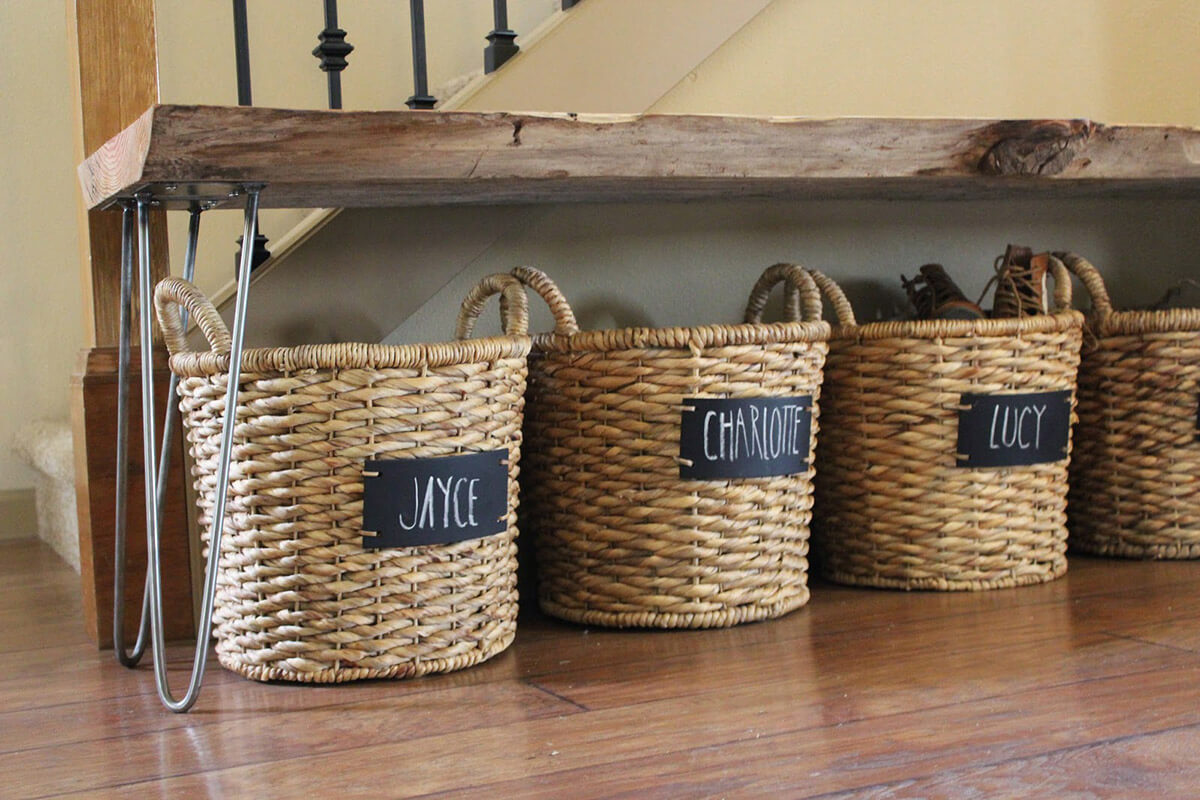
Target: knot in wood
pixel 1042 149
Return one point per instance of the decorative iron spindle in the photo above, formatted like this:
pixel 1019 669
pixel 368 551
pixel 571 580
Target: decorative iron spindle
pixel 241 51
pixel 332 51
pixel 501 45
pixel 261 253
pixel 421 97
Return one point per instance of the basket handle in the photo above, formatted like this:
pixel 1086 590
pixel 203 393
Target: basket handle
pixel 802 299
pixel 540 282
pixel 1062 285
pixel 514 305
pixel 169 295
pixel 836 297
pixel 1092 281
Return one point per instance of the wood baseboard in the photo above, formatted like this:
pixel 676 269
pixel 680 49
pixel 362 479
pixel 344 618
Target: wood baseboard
pixel 94 420
pixel 18 514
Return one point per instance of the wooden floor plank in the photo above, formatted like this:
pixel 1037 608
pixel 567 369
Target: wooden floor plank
pixel 1175 627
pixel 771 745
pixel 865 693
pixel 834 610
pixel 115 701
pixel 26 634
pixel 266 736
pixel 39 599
pixel 581 655
pixel 95 677
pixel 869 671
pixel 777 754
pixel 1045 642
pixel 1150 765
pixel 800 678
pixel 545 646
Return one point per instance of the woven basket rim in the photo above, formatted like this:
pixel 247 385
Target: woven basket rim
pixel 1057 322
pixel 684 338
pixel 355 355
pixel 1132 323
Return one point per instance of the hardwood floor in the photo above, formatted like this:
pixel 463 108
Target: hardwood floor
pixel 1086 687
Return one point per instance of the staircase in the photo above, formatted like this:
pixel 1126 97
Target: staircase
pixel 46 446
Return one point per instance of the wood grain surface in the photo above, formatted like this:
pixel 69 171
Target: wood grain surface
pixel 1086 687
pixel 94 417
pixel 396 158
pixel 117 60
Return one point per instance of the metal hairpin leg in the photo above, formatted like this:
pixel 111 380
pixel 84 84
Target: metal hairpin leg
pixel 127 659
pixel 169 415
pixel 154 488
pixel 131 659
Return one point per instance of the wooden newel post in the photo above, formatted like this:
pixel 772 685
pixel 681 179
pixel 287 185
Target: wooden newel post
pixel 113 43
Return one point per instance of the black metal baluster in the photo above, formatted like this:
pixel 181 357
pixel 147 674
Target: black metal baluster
pixel 421 97
pixel 332 51
pixel 501 45
pixel 241 52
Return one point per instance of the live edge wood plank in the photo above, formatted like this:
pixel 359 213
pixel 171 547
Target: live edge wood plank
pixel 397 158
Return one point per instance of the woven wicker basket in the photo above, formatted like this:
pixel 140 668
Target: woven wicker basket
pixel 893 507
pixel 298 597
pixel 622 539
pixel 1135 477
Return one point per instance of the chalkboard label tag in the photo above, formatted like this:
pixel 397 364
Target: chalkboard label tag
pixel 1012 430
pixel 750 437
pixel 409 502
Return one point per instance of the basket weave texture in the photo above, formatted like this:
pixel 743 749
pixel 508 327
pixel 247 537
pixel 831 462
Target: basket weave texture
pixel 298 597
pixel 893 508
pixel 622 540
pixel 1135 478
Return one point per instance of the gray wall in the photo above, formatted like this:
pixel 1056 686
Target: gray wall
pixel 398 275
pixel 694 263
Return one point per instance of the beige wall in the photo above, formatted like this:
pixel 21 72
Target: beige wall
pixel 614 56
pixel 1110 60
pixel 40 299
